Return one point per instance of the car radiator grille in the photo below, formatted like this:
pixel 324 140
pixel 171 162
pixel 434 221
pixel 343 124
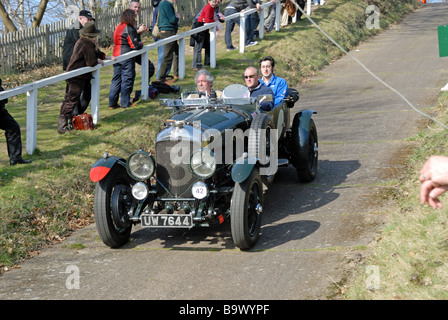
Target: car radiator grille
pixel 176 177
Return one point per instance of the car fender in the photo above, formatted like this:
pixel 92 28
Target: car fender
pixel 102 167
pixel 304 118
pixel 242 168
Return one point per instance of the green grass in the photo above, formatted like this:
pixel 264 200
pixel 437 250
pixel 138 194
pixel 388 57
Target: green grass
pixel 412 251
pixel 45 201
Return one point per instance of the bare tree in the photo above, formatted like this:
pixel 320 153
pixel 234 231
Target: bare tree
pixel 7 22
pixel 21 14
pixel 40 13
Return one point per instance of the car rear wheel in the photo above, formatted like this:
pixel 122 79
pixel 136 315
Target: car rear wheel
pixel 245 211
pixel 111 204
pixel 304 155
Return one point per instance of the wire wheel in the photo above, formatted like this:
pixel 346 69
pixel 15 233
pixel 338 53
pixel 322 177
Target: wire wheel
pixel 245 211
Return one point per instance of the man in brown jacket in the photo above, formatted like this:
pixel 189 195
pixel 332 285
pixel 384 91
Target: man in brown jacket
pixel 85 54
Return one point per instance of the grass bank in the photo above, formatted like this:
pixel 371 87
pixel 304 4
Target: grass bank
pixel 43 202
pixel 410 258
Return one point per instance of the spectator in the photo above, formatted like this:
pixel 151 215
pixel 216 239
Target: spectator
pixel 256 88
pixel 269 16
pixel 168 25
pixel 278 85
pixel 235 6
pixel 288 10
pixel 253 21
pixel 85 53
pixel 142 28
pixel 202 39
pixel 155 4
pixel 12 134
pixel 301 4
pixel 135 6
pixel 125 40
pixel 71 36
pixel 434 180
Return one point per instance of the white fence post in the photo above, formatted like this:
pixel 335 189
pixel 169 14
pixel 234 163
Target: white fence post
pixel 182 58
pixel 261 24
pixel 277 15
pixel 95 100
pixel 308 8
pixel 31 121
pixel 145 75
pixel 242 31
pixel 213 47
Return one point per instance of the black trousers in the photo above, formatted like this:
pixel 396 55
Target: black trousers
pixel 12 133
pixel 202 43
pixel 73 90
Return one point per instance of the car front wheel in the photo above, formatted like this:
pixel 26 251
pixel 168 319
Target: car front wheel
pixel 111 204
pixel 245 211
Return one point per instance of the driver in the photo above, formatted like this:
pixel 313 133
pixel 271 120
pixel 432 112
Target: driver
pixel 256 88
pixel 204 82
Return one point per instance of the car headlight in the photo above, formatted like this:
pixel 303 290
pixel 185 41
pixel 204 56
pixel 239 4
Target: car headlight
pixel 203 163
pixel 139 191
pixel 140 165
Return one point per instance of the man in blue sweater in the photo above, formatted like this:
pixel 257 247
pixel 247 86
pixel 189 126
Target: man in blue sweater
pixel 256 88
pixel 168 22
pixel 277 84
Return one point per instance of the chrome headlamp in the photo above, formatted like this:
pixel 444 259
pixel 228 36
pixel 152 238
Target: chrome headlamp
pixel 203 163
pixel 140 165
pixel 140 191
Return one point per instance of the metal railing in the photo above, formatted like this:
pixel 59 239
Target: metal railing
pixel 31 89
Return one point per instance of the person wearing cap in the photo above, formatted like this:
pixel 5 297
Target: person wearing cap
pixel 12 134
pixel 72 35
pixel 85 54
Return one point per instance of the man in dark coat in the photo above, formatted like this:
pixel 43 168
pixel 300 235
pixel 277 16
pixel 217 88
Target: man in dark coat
pixel 12 133
pixel 72 35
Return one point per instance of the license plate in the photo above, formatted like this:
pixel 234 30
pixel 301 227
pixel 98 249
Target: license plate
pixel 167 220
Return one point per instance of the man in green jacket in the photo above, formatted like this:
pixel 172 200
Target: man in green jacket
pixel 168 22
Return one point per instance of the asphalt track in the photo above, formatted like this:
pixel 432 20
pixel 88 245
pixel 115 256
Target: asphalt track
pixel 312 233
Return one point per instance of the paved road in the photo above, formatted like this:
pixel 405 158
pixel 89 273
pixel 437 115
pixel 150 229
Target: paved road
pixel 312 232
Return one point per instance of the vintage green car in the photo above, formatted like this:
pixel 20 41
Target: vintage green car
pixel 211 161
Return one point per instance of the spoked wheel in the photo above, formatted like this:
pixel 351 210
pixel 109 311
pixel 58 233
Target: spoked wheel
pixel 245 211
pixel 305 157
pixel 261 144
pixel 113 200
